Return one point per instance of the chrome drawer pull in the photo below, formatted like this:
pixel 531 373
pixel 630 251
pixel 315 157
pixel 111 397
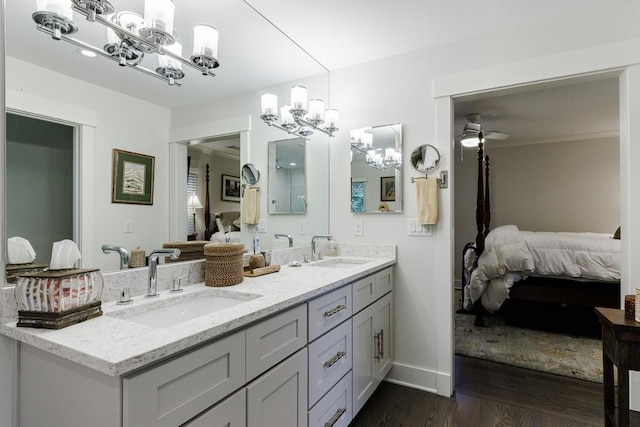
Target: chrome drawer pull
pixel 335 417
pixel 339 355
pixel 381 344
pixel 376 339
pixel 335 310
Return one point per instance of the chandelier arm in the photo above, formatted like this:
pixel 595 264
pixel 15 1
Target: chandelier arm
pixel 97 51
pixel 151 46
pixel 303 122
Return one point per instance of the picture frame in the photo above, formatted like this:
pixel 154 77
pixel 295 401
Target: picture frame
pixel 387 188
pixel 231 189
pixel 132 178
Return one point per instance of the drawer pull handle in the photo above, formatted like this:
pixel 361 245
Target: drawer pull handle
pixel 376 339
pixel 335 417
pixel 335 310
pixel 381 344
pixel 339 355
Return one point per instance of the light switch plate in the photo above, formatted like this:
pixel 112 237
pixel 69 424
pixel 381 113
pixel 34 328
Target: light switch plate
pixel 302 227
pixel 414 228
pixel 128 226
pixel 262 226
pixel 358 227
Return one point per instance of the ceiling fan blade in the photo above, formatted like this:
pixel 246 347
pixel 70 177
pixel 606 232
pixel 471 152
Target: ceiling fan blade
pixel 494 134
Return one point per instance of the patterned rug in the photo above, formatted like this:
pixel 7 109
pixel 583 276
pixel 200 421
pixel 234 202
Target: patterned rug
pixel 564 355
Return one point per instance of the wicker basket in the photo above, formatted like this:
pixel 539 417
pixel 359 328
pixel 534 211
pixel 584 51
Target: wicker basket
pixel 188 250
pixel 224 264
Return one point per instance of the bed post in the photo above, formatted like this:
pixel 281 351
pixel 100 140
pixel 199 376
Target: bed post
pixel 207 214
pixel 487 202
pixel 480 200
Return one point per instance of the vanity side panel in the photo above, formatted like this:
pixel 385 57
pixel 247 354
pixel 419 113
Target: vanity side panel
pixel 57 392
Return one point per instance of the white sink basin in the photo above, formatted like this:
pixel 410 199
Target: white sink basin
pixel 178 309
pixel 340 263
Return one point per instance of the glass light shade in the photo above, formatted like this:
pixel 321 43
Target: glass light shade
pixel 112 37
pixel 388 153
pixel 269 103
pixel 205 41
pixel 470 140
pixel 158 14
pixel 316 109
pixel 357 135
pixel 130 21
pixel 367 138
pixel 167 61
pixel 285 115
pixel 331 117
pixel 59 7
pixel 299 97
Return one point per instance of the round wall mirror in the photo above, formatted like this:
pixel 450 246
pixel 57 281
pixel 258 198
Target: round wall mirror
pixel 425 159
pixel 250 175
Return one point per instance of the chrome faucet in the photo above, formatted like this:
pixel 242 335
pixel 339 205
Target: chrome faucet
pixel 124 255
pixel 314 255
pixel 288 236
pixel 152 288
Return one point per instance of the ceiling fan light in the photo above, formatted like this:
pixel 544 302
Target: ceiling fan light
pixel 470 139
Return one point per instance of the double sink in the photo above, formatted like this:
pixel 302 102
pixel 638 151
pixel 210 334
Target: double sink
pixel 171 309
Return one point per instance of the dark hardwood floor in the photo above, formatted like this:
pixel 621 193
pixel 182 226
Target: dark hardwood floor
pixel 490 394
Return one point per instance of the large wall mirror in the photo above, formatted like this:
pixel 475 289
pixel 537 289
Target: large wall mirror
pixel 376 169
pixel 287 176
pixel 111 107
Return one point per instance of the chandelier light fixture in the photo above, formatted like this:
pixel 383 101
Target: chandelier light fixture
pixel 130 36
pixel 362 142
pixel 295 119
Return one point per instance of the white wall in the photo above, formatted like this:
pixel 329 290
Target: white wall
pixel 401 89
pixel 124 123
pixel 316 219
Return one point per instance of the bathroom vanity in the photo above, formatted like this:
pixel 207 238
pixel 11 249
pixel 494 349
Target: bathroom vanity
pixel 305 346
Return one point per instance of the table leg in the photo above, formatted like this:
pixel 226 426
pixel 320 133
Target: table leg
pixel 623 384
pixel 609 396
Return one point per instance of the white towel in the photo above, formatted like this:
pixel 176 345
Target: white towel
pixel 251 205
pixel 427 192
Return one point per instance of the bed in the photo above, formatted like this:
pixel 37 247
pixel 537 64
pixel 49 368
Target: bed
pixel 542 280
pixel 226 222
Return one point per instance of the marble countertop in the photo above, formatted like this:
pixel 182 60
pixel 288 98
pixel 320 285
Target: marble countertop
pixel 116 346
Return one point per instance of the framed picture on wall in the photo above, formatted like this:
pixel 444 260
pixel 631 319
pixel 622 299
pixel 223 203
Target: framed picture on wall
pixel 387 188
pixel 231 188
pixel 132 178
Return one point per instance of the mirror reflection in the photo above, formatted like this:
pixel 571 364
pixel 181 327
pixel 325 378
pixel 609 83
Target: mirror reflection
pixel 287 177
pixel 376 169
pixel 111 107
pixel 425 159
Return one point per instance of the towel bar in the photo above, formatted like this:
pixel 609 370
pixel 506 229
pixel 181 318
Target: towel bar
pixel 443 181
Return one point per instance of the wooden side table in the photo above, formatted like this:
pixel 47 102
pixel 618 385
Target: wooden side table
pixel 620 347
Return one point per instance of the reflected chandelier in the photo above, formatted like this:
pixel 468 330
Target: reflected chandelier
pixel 131 36
pixel 296 120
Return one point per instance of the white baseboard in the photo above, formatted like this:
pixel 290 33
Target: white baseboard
pixel 419 378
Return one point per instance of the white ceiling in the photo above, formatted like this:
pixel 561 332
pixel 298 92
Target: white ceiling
pixel 255 54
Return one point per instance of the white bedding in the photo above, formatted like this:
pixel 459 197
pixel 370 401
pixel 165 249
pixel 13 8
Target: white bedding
pixel 511 255
pixel 219 237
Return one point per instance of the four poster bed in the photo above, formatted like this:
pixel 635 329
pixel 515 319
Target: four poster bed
pixel 541 280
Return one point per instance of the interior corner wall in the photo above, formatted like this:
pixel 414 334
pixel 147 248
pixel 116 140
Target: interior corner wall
pixel 559 187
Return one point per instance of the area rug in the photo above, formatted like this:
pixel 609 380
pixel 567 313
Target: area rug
pixel 558 354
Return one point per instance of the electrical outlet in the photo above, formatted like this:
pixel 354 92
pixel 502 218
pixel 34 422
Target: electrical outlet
pixel 357 227
pixel 302 227
pixel 262 226
pixel 128 226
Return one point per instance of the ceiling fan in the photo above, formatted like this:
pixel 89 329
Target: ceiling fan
pixel 472 130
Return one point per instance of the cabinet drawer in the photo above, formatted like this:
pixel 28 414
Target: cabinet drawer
pixel 174 392
pixel 364 292
pixel 334 409
pixel 231 412
pixel 384 281
pixel 329 310
pixel 272 340
pixel 330 357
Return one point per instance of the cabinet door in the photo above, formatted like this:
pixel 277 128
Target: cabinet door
pixel 279 397
pixel 364 382
pixel 231 412
pixel 173 392
pixel 274 339
pixel 384 327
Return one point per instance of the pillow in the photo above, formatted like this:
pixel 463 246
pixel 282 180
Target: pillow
pixel 616 235
pixel 227 219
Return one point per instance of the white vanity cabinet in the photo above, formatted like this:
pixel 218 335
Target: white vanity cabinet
pixel 372 340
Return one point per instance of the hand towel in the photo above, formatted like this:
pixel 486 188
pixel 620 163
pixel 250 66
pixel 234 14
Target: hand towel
pixel 251 205
pixel 427 193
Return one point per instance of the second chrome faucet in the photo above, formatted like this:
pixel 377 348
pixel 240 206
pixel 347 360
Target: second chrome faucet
pixel 152 288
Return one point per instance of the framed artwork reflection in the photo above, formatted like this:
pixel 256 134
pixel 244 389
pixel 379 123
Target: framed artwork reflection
pixel 388 188
pixel 231 188
pixel 132 178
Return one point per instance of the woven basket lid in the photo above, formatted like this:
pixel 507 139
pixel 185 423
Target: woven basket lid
pixel 222 249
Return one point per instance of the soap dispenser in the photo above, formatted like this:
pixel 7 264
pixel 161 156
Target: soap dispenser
pixel 332 248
